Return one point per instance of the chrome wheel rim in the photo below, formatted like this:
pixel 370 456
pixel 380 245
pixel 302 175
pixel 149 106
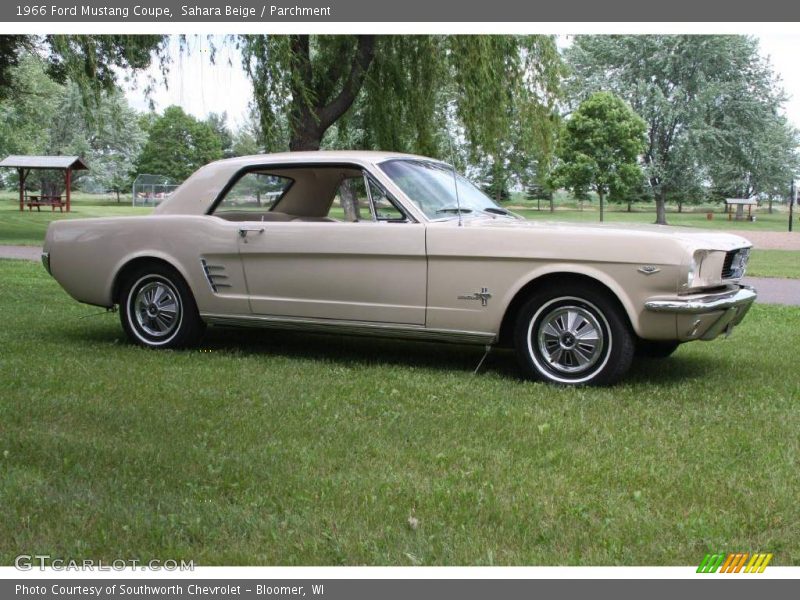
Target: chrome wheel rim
pixel 157 309
pixel 570 339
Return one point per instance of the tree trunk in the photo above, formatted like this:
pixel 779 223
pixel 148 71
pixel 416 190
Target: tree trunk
pixel 680 206
pixel 538 204
pixel 600 195
pixel 661 207
pixel 770 205
pixel 347 195
pixel 629 205
pixel 552 203
pixel 117 192
pixel 306 135
pixel 311 119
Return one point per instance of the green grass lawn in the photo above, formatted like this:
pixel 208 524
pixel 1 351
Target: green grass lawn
pixel 265 448
pixel 774 263
pixel 27 228
pixel 777 221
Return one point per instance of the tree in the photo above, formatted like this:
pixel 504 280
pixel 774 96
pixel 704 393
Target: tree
pixel 678 84
pixel 25 117
pixel 178 144
pixel 110 140
pixel 759 163
pixel 93 62
pixel 600 147
pixel 407 93
pixel 219 124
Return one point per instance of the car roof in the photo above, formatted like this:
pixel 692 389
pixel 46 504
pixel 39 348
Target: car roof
pixel 197 193
pixel 309 156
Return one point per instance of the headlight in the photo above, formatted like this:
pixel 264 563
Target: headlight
pixel 692 272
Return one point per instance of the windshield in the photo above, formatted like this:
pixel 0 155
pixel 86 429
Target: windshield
pixel 431 187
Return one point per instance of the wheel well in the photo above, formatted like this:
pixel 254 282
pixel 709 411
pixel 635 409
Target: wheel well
pixel 129 268
pixel 551 279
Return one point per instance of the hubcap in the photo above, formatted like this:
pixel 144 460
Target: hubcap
pixel 570 339
pixel 157 309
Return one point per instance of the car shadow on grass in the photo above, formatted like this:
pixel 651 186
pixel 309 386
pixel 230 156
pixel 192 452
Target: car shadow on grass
pixel 369 351
pixel 356 350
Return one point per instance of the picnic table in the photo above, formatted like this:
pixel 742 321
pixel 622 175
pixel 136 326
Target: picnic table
pixel 39 201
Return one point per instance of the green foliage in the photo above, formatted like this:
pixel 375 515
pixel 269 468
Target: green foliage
pixel 219 124
pixel 599 148
pixel 26 115
pixel 93 62
pixel 11 50
pixel 700 95
pixel 178 144
pixel 110 140
pixel 417 94
pixel 44 117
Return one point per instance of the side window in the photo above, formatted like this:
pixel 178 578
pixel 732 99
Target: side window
pixel 385 209
pixel 253 192
pixel 351 202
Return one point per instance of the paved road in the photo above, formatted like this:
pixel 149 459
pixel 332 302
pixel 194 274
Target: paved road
pixel 22 252
pixel 771 290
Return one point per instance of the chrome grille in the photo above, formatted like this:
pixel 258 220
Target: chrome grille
pixel 735 263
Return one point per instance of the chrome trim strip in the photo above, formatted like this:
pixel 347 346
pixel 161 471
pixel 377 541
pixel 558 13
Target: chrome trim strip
pixel 351 328
pixel 744 296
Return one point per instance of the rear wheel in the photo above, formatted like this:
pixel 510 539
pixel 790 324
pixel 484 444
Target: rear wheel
pixel 576 335
pixel 157 308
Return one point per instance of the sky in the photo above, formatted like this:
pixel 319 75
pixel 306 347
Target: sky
pixel 200 87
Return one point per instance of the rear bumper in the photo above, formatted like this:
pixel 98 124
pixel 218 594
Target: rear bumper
pixel 706 316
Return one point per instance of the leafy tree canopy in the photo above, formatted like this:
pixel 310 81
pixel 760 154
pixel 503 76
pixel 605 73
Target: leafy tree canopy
pixel 600 147
pixel 178 144
pixel 424 94
pixel 698 94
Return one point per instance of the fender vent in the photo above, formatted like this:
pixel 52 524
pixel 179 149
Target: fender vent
pixel 215 275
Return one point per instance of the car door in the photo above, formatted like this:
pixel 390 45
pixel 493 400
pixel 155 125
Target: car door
pixel 373 269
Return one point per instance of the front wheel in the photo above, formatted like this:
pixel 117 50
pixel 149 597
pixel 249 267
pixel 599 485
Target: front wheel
pixel 157 309
pixel 574 336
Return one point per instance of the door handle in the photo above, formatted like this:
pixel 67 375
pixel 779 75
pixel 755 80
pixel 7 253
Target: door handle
pixel 243 231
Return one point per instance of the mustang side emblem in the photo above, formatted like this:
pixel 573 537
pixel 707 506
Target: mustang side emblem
pixel 648 269
pixel 483 296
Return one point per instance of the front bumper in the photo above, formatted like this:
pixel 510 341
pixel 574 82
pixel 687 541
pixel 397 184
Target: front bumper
pixel 705 317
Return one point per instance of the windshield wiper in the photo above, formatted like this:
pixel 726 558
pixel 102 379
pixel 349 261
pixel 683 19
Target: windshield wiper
pixel 496 210
pixel 454 209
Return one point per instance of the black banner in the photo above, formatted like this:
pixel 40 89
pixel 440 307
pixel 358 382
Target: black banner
pixel 369 589
pixel 263 11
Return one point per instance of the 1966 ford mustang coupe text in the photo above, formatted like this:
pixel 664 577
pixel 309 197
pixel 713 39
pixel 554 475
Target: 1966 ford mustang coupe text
pixel 397 245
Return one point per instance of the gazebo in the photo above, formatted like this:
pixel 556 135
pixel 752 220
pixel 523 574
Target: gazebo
pixel 740 203
pixel 24 164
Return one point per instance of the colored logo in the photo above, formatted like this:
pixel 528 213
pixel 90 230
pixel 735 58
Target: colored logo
pixel 735 562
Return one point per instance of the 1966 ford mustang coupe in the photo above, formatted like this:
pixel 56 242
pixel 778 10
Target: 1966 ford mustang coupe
pixel 398 245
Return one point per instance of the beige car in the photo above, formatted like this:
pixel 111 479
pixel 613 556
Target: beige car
pixel 397 245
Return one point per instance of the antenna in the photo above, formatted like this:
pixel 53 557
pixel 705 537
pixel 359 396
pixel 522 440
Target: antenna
pixel 455 178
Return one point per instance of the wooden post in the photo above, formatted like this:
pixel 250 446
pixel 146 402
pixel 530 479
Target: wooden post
pixel 68 176
pixel 23 176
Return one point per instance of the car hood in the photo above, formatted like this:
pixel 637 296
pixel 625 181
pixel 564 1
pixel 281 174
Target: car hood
pixel 692 238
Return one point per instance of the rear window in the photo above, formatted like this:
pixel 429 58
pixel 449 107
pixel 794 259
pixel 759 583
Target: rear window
pixel 255 192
